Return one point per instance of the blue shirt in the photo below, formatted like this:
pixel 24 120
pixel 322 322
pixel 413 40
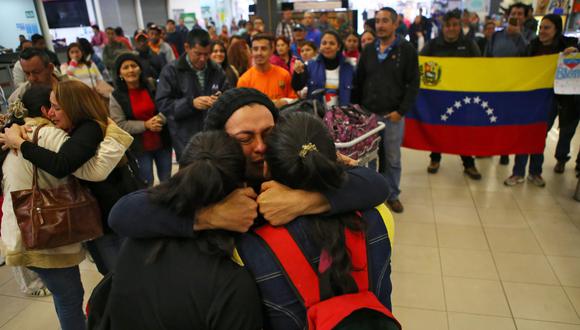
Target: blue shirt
pixel 383 55
pixel 314 35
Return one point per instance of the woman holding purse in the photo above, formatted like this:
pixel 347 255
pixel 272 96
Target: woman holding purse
pixel 133 108
pixel 79 111
pixel 57 267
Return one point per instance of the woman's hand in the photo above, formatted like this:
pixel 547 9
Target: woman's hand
pixel 12 137
pixel 153 124
pixel 570 50
pixel 298 67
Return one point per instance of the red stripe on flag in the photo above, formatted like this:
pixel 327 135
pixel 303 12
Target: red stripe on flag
pixel 475 140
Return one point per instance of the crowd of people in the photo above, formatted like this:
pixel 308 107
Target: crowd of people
pixel 245 169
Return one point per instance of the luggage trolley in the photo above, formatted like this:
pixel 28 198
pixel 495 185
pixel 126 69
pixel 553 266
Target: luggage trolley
pixel 370 155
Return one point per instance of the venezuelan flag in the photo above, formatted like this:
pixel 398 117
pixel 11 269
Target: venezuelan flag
pixel 482 106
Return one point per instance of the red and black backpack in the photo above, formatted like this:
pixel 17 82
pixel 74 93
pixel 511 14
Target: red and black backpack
pixel 334 312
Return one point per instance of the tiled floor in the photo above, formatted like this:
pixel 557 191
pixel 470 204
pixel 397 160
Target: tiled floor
pixel 468 255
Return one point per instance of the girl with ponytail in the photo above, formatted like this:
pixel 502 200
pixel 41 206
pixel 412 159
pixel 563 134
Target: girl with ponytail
pixel 301 155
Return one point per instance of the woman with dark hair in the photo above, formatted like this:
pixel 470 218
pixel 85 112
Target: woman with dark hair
pixel 189 283
pixel 367 38
pixel 219 56
pixel 301 155
pixel 132 107
pixel 550 41
pixel 329 71
pixel 283 54
pixel 57 267
pixel 90 55
pixel 352 46
pixel 309 51
pixel 82 113
pixel 81 67
pixel 239 56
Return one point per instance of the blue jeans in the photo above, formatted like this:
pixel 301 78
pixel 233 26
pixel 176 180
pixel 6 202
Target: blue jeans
pixel 162 158
pixel 390 156
pixel 67 294
pixel 536 160
pixel 105 251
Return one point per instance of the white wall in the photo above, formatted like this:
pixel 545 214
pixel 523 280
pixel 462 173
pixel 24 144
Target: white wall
pixel 188 6
pixel 21 12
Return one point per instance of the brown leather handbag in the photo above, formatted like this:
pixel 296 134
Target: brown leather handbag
pixel 53 217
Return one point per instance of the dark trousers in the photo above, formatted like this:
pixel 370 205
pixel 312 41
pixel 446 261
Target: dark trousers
pixel 468 161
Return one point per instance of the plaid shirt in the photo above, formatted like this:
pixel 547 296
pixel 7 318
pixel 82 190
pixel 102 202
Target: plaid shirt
pixel 285 29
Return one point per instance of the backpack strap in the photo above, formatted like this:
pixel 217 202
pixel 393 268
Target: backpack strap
pixel 356 242
pixel 297 268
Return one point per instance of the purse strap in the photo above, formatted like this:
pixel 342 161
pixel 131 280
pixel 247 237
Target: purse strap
pixel 35 168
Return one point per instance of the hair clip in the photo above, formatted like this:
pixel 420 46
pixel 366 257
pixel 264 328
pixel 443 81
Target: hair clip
pixel 17 109
pixel 306 148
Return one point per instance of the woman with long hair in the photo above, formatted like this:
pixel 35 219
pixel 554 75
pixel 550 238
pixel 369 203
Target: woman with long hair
pixel 301 155
pixel 132 107
pixel 81 67
pixel 82 113
pixel 550 40
pixel 239 56
pixel 219 56
pixel 165 272
pixel 329 71
pixel 282 56
pixel 57 267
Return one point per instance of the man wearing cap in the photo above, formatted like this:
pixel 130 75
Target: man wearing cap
pixel 299 40
pixel 188 87
pixel 248 116
pixel 269 79
pixel 158 46
pixel 152 63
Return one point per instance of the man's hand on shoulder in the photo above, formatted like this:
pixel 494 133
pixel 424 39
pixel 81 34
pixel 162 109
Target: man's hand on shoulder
pixel 236 212
pixel 280 204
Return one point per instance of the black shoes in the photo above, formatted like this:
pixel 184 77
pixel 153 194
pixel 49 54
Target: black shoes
pixel 473 173
pixel 395 206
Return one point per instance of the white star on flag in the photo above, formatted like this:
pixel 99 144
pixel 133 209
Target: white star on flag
pixel 476 100
pixel 450 110
pixel 457 104
pixel 484 104
pixel 467 100
pixel 444 117
pixel 492 119
pixel 489 111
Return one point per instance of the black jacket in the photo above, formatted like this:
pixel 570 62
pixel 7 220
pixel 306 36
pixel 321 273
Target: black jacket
pixel 152 63
pixel 463 47
pixel 178 86
pixel 391 85
pixel 122 97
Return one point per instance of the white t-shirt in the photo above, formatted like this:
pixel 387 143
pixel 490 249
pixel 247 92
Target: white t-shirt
pixel 332 83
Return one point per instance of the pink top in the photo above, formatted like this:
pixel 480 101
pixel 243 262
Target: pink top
pixel 277 60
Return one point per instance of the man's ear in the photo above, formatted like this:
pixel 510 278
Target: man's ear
pixel 186 46
pixel 51 67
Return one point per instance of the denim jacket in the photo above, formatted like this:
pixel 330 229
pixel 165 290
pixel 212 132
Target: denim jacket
pixel 283 309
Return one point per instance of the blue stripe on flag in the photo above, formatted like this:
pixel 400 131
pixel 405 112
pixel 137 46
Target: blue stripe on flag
pixel 482 109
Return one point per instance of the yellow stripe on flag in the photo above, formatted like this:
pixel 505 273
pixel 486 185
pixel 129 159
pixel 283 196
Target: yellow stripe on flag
pixel 485 74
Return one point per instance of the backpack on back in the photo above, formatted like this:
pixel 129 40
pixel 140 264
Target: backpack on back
pixel 337 312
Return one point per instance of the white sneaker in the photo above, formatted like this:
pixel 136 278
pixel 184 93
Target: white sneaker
pixel 537 180
pixel 514 180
